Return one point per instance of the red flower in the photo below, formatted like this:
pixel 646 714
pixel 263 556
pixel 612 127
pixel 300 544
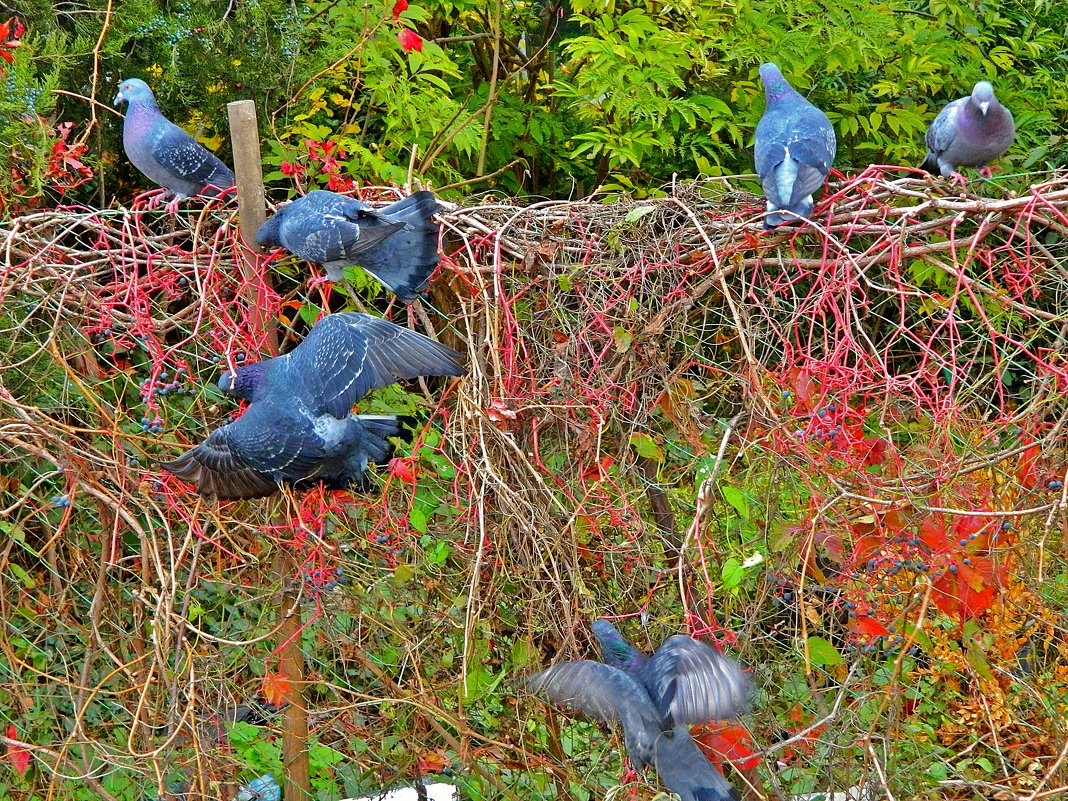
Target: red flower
pixel 409 40
pixel 292 168
pixel 336 183
pixel 10 31
pixel 399 8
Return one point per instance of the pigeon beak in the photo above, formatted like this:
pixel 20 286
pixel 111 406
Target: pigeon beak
pixel 984 106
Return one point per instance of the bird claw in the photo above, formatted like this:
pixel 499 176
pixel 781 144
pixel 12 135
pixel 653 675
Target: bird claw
pixel 172 205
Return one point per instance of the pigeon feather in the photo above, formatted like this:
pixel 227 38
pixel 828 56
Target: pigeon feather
pixel 165 153
pixel 794 149
pixel 971 131
pixel 298 427
pixel 397 244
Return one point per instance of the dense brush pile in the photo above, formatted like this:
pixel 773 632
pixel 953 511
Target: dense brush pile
pixel 836 450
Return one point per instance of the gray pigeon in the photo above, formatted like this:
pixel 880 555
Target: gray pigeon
pixel 298 427
pixel 398 244
pixel 795 148
pixel 656 699
pixel 164 152
pixel 969 132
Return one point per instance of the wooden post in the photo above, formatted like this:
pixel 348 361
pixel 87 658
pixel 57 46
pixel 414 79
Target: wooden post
pixel 251 211
pixel 251 200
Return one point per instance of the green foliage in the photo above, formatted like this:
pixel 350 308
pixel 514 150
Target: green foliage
pixel 547 108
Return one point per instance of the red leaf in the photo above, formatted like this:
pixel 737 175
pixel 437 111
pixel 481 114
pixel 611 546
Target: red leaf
pixel 729 744
pixel 933 533
pixel 399 8
pixel 595 472
pixel 869 626
pixel 402 470
pixel 276 688
pixel 970 590
pixel 20 757
pixel 1026 474
pixel 872 449
pixel 409 40
pixel 499 412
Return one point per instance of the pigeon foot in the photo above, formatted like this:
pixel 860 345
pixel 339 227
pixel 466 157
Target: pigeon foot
pixel 172 205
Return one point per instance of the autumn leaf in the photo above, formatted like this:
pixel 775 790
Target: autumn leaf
pixel 862 624
pixel 730 743
pixel 402 470
pixel 20 757
pixel 965 590
pixel 276 688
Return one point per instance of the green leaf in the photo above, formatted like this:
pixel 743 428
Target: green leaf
pixel 731 573
pixel 646 447
pixel 417 518
pixel 821 652
pixel 309 313
pixel 937 771
pixel 736 498
pixel 638 212
pixel 439 552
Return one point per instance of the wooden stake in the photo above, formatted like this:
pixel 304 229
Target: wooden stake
pixel 251 211
pixel 251 200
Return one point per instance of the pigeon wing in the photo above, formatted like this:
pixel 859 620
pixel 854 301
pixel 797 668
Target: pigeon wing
pixel 326 227
pixel 691 682
pixel 606 694
pixel 807 136
pixel 943 130
pixel 348 354
pixel 186 160
pixel 250 456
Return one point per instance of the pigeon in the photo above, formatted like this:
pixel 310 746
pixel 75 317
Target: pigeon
pixel 656 699
pixel 265 788
pixel 398 244
pixel 164 152
pixel 298 427
pixel 795 148
pixel 969 132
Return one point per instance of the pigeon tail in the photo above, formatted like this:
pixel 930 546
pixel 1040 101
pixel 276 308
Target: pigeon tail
pixel 375 446
pixel 405 261
pixel 685 770
pixel 930 164
pixel 372 446
pixel 775 217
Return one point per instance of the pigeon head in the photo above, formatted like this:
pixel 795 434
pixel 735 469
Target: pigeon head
pixel 242 382
pixel 982 96
pixel 615 651
pixel 267 234
pixel 135 92
pixel 776 87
